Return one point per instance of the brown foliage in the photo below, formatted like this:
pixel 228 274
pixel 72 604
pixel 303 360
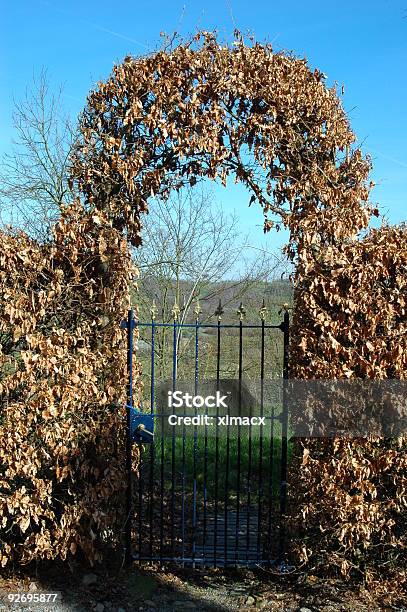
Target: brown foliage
pixel 351 306
pixel 205 110
pixel 350 321
pixel 62 353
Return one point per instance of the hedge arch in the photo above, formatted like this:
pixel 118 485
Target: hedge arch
pixel 200 110
pixel 206 110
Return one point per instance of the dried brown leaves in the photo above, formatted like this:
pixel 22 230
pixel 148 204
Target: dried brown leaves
pixel 159 122
pixel 350 322
pixel 204 110
pixel 62 354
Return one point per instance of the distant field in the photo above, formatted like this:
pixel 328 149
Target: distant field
pixel 275 294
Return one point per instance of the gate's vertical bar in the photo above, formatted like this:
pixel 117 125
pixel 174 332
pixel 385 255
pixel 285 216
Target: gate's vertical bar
pixel 152 402
pixel 194 502
pixel 129 407
pixel 249 485
pixel 241 313
pixel 183 468
pixel 174 378
pixel 205 468
pixel 260 466
pixel 284 435
pixel 140 530
pixel 215 535
pixel 271 477
pixel 162 452
pixel 226 521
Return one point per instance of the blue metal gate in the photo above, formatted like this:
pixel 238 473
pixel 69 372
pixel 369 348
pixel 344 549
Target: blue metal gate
pixel 201 498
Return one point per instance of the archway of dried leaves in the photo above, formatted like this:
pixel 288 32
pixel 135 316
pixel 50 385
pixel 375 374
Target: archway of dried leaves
pixel 203 110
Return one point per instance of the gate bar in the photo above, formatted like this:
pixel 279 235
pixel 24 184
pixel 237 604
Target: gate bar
pixel 195 447
pixel 129 406
pixel 215 535
pixel 152 449
pixel 260 465
pixel 284 438
pixel 224 325
pixel 174 379
pixel 239 442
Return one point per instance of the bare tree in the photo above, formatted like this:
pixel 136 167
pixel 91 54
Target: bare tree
pixel 193 250
pixel 33 176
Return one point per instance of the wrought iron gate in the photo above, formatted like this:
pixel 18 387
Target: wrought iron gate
pixel 203 497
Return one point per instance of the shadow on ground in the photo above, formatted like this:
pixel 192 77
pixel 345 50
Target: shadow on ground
pixel 114 588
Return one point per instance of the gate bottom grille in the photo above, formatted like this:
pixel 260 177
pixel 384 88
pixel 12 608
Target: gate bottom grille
pixel 236 536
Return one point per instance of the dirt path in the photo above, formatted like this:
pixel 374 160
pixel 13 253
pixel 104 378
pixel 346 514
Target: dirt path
pixel 125 590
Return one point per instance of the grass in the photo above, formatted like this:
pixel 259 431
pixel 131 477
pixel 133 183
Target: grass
pixel 248 464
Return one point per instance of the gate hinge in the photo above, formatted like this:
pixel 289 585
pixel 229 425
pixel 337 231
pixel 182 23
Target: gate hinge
pixel 125 324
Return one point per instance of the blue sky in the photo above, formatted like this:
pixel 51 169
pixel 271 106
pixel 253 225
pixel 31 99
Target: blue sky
pixel 361 44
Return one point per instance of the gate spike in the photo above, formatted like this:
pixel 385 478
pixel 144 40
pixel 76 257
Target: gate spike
pixel 197 309
pixel 153 311
pixel 241 311
pixel 219 311
pixel 263 311
pixel 284 307
pixel 175 311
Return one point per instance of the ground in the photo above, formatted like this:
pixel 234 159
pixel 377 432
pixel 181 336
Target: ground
pixel 121 589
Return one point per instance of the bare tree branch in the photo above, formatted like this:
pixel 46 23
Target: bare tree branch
pixel 33 176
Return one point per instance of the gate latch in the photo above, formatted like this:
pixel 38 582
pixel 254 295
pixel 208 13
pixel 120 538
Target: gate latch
pixel 142 427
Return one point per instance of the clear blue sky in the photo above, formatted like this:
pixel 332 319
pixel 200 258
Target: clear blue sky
pixel 362 44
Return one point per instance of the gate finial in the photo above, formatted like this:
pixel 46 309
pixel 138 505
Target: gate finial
pixel 241 311
pixel 219 311
pixel 263 311
pixel 175 311
pixel 284 307
pixel 197 309
pixel 153 310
